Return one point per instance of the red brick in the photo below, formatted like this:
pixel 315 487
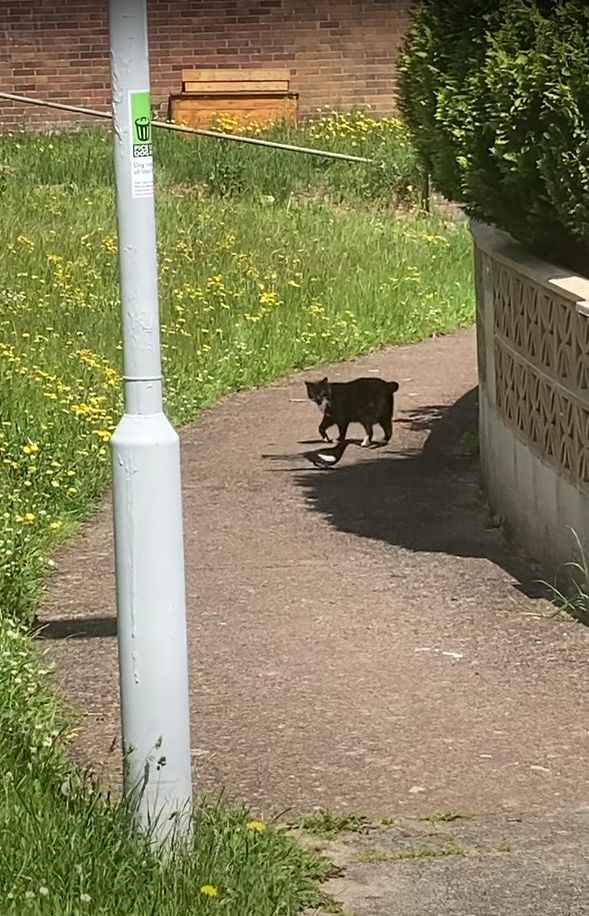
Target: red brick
pixel 341 53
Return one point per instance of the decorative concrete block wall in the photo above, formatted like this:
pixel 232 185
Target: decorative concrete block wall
pixel 533 350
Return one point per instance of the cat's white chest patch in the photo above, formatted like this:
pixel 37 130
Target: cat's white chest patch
pixel 324 405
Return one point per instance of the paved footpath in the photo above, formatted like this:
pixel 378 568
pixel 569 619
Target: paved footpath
pixel 361 639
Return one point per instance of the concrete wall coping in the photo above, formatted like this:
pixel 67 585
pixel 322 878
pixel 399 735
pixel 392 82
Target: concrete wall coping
pixel 502 247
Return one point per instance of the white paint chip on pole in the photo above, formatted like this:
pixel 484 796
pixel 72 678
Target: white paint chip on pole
pixel 147 502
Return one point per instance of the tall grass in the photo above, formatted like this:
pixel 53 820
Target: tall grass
pixel 66 850
pixel 278 265
pixel 573 596
pixel 84 159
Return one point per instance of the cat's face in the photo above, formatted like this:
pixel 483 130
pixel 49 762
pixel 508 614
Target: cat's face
pixel 318 392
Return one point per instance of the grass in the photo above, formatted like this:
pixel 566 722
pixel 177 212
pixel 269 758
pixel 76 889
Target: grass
pixel 574 600
pixel 378 856
pixel 451 848
pixel 326 824
pixel 373 856
pixel 229 169
pixel 446 817
pixel 66 850
pixel 248 292
pixel 266 264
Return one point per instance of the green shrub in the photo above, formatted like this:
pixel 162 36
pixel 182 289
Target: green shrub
pixel 496 96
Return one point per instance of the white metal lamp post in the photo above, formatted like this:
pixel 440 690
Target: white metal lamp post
pixel 146 473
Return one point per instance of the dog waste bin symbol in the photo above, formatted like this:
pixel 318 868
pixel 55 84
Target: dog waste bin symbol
pixel 142 126
pixel 141 149
pixel 140 105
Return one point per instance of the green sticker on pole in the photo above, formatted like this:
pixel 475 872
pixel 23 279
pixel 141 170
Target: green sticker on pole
pixel 141 148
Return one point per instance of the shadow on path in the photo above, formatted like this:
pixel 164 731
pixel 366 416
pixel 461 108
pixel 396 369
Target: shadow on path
pixel 427 500
pixel 78 628
pixel 424 499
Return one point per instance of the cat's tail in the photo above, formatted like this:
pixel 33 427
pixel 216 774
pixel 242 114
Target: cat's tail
pixel 326 458
pixel 393 386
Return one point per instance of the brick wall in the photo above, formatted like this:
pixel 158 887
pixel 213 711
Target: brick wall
pixel 341 52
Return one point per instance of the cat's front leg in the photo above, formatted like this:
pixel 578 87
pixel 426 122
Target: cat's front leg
pixel 326 422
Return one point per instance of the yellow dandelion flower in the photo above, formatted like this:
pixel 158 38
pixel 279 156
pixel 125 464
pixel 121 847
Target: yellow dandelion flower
pixel 182 247
pixel 257 826
pixel 110 244
pixel 26 242
pixel 56 525
pixel 209 890
pixel 268 297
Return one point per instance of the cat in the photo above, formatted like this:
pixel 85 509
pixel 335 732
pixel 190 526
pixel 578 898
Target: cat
pixel 363 400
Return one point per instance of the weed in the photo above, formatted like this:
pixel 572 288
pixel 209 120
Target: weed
pixel 330 906
pixel 575 601
pixel 373 856
pixel 430 852
pixel 446 817
pixel 324 823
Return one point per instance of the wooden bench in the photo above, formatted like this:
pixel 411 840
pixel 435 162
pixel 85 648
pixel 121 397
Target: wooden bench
pixel 262 96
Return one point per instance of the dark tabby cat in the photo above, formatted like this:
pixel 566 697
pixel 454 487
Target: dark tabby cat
pixel 364 400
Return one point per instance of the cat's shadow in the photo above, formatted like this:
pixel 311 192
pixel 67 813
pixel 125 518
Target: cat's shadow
pixel 317 441
pixel 427 501
pixel 331 442
pixel 297 457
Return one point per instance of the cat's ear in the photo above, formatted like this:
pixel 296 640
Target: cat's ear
pixel 324 381
pixel 309 385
